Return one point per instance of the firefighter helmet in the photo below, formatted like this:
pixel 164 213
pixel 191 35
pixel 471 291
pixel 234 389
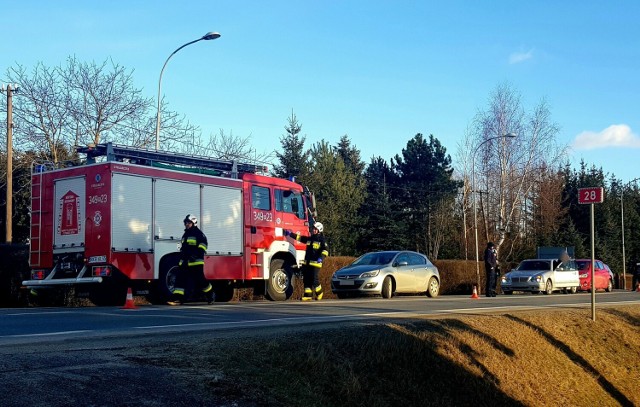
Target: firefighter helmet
pixel 318 226
pixel 192 219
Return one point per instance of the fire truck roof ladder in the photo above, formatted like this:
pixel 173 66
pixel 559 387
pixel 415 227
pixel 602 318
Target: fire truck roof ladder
pixel 142 156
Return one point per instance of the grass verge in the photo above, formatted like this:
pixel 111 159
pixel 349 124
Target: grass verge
pixel 532 358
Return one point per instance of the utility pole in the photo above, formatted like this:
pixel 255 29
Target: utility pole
pixel 9 224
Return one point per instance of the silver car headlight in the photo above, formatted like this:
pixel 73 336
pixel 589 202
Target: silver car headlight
pixel 369 274
pixel 536 279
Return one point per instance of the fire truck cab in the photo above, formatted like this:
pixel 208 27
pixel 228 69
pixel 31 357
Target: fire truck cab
pixel 114 222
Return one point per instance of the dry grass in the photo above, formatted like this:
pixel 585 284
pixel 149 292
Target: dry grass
pixel 532 358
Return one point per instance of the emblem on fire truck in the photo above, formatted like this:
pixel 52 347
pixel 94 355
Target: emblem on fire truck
pixel 69 214
pixel 97 218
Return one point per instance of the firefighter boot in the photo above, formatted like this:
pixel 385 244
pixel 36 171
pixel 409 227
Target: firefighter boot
pixel 175 301
pixel 209 294
pixel 177 297
pixel 319 292
pixel 308 294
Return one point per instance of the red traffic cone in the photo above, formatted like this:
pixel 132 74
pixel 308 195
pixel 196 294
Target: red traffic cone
pixel 128 304
pixel 475 293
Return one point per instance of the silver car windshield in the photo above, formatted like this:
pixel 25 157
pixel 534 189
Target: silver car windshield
pixel 374 259
pixel 534 265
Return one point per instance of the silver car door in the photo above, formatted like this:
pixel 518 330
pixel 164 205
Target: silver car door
pixel 403 273
pixel 562 275
pixel 421 273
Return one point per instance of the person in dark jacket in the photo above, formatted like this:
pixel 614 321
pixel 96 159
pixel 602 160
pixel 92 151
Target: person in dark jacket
pixel 317 251
pixel 192 249
pixel 635 280
pixel 490 268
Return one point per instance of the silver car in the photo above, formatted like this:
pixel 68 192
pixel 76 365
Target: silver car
pixel 387 273
pixel 542 275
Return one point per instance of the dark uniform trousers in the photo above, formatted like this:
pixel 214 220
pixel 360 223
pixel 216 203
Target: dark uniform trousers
pixel 317 250
pixel 193 249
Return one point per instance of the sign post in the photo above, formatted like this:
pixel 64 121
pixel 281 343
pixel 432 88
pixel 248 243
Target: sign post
pixel 592 196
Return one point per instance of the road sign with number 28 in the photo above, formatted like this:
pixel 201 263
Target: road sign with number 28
pixel 590 195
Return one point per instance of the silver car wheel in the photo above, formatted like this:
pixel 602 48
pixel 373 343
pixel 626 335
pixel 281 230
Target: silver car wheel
pixel 548 289
pixel 434 287
pixel 387 287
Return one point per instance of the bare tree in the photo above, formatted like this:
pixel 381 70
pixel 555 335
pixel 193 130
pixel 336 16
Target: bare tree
pixel 231 147
pixel 464 160
pixel 41 112
pixel 102 98
pixel 547 209
pixel 442 225
pixel 508 169
pixel 177 132
pixel 81 103
pixel 224 146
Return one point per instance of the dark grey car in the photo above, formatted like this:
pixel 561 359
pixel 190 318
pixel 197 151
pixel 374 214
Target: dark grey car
pixel 387 273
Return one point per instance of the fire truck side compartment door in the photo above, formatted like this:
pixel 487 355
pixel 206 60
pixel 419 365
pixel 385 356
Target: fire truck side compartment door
pixel 222 219
pixel 173 201
pixel 131 213
pixel 69 214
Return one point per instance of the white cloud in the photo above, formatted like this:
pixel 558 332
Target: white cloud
pixel 518 57
pixel 616 135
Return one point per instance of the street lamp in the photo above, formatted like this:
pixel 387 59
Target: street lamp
pixel 624 260
pixel 207 36
pixel 473 188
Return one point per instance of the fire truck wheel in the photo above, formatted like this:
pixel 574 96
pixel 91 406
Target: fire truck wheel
pixel 160 292
pixel 279 286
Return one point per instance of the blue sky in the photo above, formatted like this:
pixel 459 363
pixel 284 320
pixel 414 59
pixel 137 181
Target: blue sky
pixel 377 71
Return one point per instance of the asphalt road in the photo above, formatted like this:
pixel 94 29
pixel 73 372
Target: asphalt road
pixel 37 325
pixel 109 356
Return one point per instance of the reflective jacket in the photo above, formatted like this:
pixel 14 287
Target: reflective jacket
pixel 317 249
pixel 193 247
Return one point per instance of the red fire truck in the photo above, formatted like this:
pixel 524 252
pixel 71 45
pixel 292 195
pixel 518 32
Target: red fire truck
pixel 115 222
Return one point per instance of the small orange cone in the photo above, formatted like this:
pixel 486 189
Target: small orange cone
pixel 475 292
pixel 129 302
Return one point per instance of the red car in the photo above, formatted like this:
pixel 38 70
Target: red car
pixel 604 280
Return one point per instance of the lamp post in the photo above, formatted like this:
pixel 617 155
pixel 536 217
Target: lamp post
pixel 624 260
pixel 207 36
pixel 473 187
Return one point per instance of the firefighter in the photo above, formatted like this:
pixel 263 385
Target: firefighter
pixel 193 248
pixel 317 250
